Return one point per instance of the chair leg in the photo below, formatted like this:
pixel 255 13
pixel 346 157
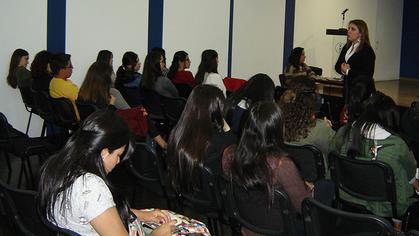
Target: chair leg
pixel 29 122
pixel 9 167
pixel 44 126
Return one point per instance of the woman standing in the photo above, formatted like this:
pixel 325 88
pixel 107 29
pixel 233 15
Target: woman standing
pixel 357 57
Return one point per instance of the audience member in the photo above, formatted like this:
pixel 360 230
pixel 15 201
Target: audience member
pixel 199 138
pixel 18 75
pixel 357 57
pixel 162 52
pixel 128 79
pixel 178 72
pixel 296 65
pixel 95 90
pixel 259 87
pixel 41 72
pixel 301 125
pixel 373 136
pixel 208 70
pixel 74 192
pixel 61 85
pixel 260 161
pixel 153 78
pixel 106 56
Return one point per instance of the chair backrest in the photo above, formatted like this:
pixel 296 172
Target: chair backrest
pixel 5 135
pixel 309 159
pixel 43 105
pixel 151 101
pixel 282 80
pixel 172 107
pixel 53 228
pixel 251 209
pixel 20 205
pixel 322 220
pixel 149 169
pixel 364 179
pixel 85 109
pixel 184 90
pixel 27 97
pixel 316 70
pixel 64 112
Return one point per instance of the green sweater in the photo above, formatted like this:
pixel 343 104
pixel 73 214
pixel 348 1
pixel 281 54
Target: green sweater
pixel 394 152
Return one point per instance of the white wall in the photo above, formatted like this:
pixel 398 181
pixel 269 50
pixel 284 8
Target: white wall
pixel 258 38
pixel 23 25
pixel 93 25
pixel 388 39
pixel 312 18
pixel 196 25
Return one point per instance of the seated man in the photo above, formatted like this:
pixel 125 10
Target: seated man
pixel 60 85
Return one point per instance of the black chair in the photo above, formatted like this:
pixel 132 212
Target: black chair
pixel 206 201
pixel 20 208
pixel 58 231
pixel 44 108
pixel 85 109
pixel 282 80
pixel 184 90
pixel 64 113
pixel 23 147
pixel 28 100
pixel 322 220
pixel 309 159
pixel 172 108
pixel 249 207
pixel 363 179
pixel 316 70
pixel 150 172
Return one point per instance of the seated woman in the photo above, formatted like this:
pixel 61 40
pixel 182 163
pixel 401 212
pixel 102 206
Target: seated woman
pixel 179 75
pixel 260 160
pixel 74 192
pixel 106 56
pixel 153 78
pixel 301 125
pixel 95 90
pixel 18 75
pixel 199 138
pixel 40 71
pixel 208 70
pixel 128 79
pixel 372 136
pixel 296 65
pixel 259 87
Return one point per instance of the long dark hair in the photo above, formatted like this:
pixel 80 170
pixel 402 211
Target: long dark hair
pixel 14 64
pixel 39 66
pixel 190 138
pixel 152 69
pixel 180 56
pixel 262 137
pixel 363 88
pixel 97 84
pixel 208 65
pixel 379 109
pixel 294 58
pixel 82 154
pixel 259 87
pixel 104 56
pixel 129 59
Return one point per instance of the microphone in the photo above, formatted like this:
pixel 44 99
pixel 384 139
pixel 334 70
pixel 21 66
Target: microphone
pixel 344 11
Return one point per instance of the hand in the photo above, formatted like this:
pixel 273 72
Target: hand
pixel 344 67
pixel 156 216
pixel 112 100
pixel 416 184
pixel 327 122
pixel 226 127
pixel 165 229
pixel 144 111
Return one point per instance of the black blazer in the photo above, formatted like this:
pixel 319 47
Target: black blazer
pixel 361 62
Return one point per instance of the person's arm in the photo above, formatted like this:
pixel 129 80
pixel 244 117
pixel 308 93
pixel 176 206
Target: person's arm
pixel 157 216
pixel 109 223
pixel 340 60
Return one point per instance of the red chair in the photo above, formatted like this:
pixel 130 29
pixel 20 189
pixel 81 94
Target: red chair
pixel 233 84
